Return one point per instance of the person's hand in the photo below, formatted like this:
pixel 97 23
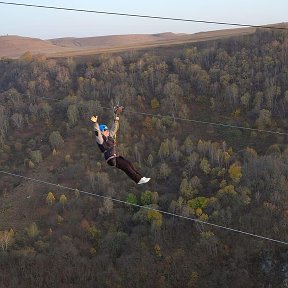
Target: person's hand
pixel 118 109
pixel 94 119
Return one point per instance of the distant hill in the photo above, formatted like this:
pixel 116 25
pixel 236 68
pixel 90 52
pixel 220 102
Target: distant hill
pixel 113 40
pixel 15 46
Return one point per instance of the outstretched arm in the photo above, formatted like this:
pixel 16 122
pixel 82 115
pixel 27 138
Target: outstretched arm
pixel 98 134
pixel 115 126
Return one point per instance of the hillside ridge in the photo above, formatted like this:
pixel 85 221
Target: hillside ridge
pixel 14 46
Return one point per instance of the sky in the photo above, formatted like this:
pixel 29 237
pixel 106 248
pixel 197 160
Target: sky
pixel 47 24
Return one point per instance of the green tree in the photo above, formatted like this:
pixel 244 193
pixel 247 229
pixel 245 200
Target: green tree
pixel 45 110
pixel 205 166
pixel 73 115
pixel 131 198
pixel 36 156
pixel 146 197
pixel 56 139
pixel 198 202
pixel 164 149
pixel 188 145
pixel 164 171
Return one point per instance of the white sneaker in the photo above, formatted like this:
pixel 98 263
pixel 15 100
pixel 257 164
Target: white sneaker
pixel 144 180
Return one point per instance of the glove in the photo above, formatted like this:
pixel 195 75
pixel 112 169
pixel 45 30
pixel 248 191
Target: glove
pixel 94 119
pixel 118 109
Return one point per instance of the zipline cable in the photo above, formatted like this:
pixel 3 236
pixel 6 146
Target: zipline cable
pixel 191 120
pixel 143 16
pixel 146 207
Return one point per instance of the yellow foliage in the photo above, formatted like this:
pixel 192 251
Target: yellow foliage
pixel 63 199
pixel 155 217
pixel 93 251
pixel 235 172
pixel 60 219
pixel 223 183
pixel 198 212
pixel 148 124
pixel 6 239
pixel 193 280
pixel 32 230
pixel 26 57
pixel 155 103
pixel 226 156
pixel 204 217
pixel 251 151
pixel 31 164
pixel 236 113
pixel 157 250
pixel 50 199
pixel 68 158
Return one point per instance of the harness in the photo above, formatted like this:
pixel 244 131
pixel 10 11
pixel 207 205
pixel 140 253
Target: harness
pixel 108 147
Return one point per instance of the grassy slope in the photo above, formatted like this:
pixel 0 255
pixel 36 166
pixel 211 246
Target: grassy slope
pixel 15 46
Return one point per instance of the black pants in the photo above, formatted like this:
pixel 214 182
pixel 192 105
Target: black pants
pixel 126 166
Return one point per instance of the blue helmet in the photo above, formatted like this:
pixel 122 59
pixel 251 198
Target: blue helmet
pixel 103 127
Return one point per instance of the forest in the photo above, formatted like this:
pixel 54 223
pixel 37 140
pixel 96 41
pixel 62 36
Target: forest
pixel 237 178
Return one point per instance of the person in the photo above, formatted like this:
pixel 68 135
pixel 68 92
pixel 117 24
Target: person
pixel 105 139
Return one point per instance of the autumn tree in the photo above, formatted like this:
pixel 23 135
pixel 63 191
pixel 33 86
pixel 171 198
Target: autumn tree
pixel 50 199
pixel 6 239
pixel 63 200
pixel 155 218
pixel 32 230
pixel 235 172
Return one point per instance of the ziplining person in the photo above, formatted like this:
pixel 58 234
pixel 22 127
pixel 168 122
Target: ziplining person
pixel 105 139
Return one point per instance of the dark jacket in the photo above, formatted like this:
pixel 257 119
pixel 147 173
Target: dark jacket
pixel 107 145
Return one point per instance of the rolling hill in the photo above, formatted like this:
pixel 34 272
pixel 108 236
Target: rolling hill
pixel 14 46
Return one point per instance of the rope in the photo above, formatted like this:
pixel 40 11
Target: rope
pixel 148 208
pixel 211 123
pixel 144 16
pixel 192 120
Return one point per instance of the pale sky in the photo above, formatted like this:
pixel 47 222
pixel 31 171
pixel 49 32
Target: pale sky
pixel 47 24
